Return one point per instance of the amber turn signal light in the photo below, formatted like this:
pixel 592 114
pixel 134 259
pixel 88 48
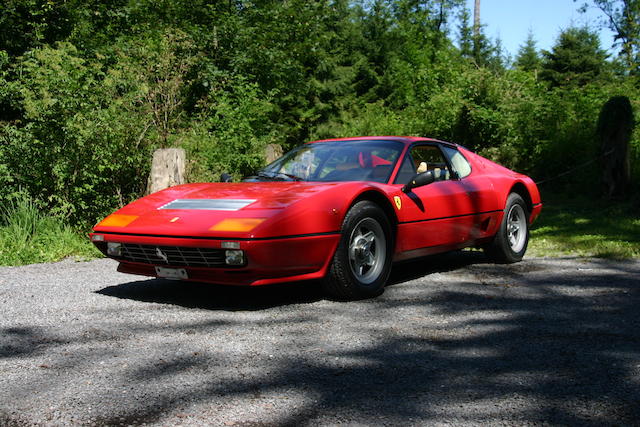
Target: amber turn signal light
pixel 117 220
pixel 237 224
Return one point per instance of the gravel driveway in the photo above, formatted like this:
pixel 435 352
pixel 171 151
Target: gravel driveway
pixel 453 340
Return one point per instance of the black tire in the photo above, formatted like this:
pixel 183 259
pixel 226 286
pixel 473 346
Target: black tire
pixel 362 263
pixel 511 241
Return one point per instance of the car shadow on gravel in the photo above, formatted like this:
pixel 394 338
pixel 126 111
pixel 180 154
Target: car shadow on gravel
pixel 441 263
pixel 238 298
pixel 215 297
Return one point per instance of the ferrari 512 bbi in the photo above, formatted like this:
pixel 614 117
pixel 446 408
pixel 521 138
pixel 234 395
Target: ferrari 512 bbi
pixel 339 210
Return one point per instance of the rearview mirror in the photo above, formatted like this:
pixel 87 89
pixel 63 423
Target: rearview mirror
pixel 418 181
pixel 225 177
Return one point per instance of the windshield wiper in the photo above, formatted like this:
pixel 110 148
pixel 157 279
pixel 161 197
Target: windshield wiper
pixel 281 175
pixel 293 177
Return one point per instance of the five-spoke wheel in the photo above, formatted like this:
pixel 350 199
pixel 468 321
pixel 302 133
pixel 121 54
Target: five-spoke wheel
pixel 362 262
pixel 367 250
pixel 511 240
pixel 517 230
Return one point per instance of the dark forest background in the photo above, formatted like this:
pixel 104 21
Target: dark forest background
pixel 89 88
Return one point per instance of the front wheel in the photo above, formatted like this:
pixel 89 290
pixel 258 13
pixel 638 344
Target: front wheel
pixel 362 262
pixel 511 240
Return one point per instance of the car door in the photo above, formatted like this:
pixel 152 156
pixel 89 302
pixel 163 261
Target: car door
pixel 437 215
pixel 485 204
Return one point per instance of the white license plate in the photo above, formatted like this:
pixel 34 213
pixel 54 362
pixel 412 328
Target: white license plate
pixel 171 273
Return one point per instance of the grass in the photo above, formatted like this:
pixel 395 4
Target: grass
pixel 580 226
pixel 28 235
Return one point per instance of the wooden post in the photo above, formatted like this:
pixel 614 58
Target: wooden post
pixel 272 152
pixel 167 169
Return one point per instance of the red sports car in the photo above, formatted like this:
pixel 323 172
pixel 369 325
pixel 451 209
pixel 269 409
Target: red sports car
pixel 339 210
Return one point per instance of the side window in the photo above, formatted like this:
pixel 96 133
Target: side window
pixel 460 165
pixel 430 158
pixel 406 172
pixel 423 158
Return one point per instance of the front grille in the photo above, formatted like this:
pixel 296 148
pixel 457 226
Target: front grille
pixel 175 255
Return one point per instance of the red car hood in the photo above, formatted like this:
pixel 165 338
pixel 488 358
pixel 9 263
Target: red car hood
pixel 197 210
pixel 267 195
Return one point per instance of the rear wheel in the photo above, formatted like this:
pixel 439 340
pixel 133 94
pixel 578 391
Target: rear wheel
pixel 362 262
pixel 511 240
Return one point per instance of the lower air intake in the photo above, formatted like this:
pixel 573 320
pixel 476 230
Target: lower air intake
pixel 173 255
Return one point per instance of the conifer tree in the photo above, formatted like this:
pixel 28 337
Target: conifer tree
pixel 528 58
pixel 465 34
pixel 576 58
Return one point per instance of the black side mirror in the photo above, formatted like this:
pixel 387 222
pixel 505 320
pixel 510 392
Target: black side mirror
pixel 418 181
pixel 225 177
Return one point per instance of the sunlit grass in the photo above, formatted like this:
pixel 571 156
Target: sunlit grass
pixel 28 235
pixel 579 226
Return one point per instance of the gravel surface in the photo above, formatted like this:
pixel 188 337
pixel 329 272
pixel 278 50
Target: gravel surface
pixel 453 340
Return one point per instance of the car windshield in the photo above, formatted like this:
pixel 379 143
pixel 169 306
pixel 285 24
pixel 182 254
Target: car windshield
pixel 335 161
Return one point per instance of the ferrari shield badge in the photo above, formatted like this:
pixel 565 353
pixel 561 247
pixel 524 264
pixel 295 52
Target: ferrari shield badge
pixel 398 201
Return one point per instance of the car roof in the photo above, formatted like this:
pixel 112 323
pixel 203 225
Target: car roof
pixel 404 139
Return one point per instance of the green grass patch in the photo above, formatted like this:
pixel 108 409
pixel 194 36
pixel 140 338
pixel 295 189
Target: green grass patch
pixel 28 236
pixel 581 226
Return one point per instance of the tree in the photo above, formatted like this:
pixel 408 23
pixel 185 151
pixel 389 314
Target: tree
pixel 483 49
pixel 25 24
pixel 615 127
pixel 465 34
pixel 474 43
pixel 528 58
pixel 476 18
pixel 623 18
pixel 576 58
pixel 499 59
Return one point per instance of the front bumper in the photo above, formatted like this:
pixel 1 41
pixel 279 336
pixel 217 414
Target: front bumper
pixel 268 261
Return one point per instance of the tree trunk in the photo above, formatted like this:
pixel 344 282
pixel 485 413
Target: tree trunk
pixel 615 126
pixel 167 169
pixel 476 19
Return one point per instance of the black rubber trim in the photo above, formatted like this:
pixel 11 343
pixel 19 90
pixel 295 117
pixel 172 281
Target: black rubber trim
pixel 243 239
pixel 449 217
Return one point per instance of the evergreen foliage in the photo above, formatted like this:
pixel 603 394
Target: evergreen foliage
pixel 576 58
pixel 528 58
pixel 465 40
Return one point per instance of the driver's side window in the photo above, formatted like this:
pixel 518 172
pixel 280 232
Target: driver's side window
pixel 423 158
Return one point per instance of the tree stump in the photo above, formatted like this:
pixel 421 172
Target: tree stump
pixel 615 126
pixel 167 169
